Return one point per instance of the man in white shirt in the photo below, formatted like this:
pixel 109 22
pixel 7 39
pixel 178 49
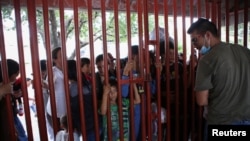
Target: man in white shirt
pixel 60 99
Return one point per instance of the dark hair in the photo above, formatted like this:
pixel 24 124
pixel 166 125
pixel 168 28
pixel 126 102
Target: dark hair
pixel 85 61
pixel 72 72
pixel 162 46
pixel 111 57
pixel 135 49
pixel 99 58
pixel 152 66
pixel 113 82
pixel 55 51
pixel 12 66
pixel 64 122
pixel 43 66
pixel 152 55
pixel 201 26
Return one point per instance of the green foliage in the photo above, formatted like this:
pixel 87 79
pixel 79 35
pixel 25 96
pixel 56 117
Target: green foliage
pixel 83 24
pixel 6 12
pixel 54 23
pixel 180 47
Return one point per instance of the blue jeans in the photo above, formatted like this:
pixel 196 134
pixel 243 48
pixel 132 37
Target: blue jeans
pixel 91 135
pixel 137 121
pixel 205 130
pixel 20 130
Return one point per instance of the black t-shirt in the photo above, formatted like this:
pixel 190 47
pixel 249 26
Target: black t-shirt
pixel 172 78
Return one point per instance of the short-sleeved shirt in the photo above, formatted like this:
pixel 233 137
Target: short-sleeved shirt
pixel 225 72
pixel 115 121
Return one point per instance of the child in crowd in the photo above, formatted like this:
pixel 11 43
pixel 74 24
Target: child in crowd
pixel 63 134
pixel 110 97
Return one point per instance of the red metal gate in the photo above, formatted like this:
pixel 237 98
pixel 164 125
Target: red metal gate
pixel 173 16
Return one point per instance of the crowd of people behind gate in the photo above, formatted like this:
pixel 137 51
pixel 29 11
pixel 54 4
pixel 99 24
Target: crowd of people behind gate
pixel 204 38
pixel 106 92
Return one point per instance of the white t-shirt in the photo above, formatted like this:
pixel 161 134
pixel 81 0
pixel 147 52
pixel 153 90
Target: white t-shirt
pixel 63 136
pixel 59 94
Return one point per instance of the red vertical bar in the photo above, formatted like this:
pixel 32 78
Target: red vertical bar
pixel 148 106
pixel 49 61
pixel 117 42
pixel 214 12
pixel 199 110
pixel 92 58
pixel 22 71
pixel 49 58
pixel 52 92
pixel 166 10
pixel 65 71
pixel 176 93
pixel 227 20
pixel 104 36
pixel 79 74
pixel 131 96
pixel 236 20
pixel 186 103
pixel 191 10
pixel 192 75
pixel 140 30
pixel 35 66
pixel 118 70
pixel 245 22
pixel 117 39
pixel 10 118
pixel 157 44
pixel 208 5
pixel 140 38
pixel 199 7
